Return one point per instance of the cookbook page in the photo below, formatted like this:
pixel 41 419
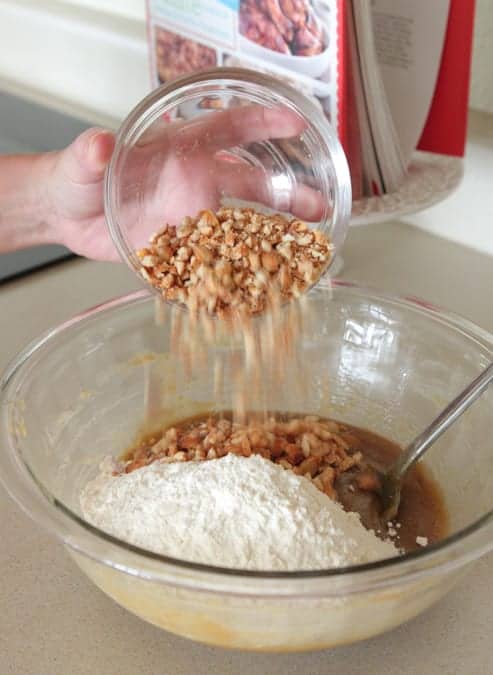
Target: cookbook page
pixel 409 39
pixel 386 142
pixel 370 170
pixel 296 39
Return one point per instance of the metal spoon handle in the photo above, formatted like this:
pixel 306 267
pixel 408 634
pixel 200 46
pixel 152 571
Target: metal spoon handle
pixel 441 423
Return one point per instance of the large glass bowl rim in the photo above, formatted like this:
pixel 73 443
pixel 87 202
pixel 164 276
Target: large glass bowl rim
pixel 453 552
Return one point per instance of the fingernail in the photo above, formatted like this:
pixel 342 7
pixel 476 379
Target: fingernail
pixel 93 142
pixel 95 151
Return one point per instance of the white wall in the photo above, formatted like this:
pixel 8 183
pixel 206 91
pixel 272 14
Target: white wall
pixel 131 9
pixel 88 57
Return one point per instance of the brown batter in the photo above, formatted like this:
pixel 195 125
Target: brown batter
pixel 339 462
pixel 422 510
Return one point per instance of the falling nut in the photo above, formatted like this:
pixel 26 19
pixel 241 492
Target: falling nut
pixel 271 261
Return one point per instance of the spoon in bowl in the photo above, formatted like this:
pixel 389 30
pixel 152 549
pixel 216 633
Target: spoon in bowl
pixel 391 480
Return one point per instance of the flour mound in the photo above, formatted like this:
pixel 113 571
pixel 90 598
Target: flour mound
pixel 233 512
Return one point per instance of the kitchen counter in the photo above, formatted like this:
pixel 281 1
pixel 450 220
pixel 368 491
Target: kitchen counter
pixel 53 621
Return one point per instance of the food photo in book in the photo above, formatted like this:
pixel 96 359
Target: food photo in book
pixel 391 76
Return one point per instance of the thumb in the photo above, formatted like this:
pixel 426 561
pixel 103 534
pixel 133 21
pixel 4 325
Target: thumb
pixel 84 161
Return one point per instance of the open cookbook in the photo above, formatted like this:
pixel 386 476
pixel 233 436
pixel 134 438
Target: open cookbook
pixel 391 75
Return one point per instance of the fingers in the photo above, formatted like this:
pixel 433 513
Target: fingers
pixel 100 150
pixel 84 162
pixel 237 180
pixel 246 124
pixel 307 203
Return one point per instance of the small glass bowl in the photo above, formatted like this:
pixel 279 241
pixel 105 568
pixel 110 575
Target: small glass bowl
pixel 226 136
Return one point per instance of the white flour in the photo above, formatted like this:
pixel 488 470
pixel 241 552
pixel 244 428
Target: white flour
pixel 233 512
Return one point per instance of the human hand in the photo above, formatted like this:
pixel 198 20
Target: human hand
pixel 186 169
pixel 75 195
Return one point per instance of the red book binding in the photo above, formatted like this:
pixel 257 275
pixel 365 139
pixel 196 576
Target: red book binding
pixel 446 125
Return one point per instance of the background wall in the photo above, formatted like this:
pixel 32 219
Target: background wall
pixel 87 57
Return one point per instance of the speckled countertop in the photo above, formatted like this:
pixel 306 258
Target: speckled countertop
pixel 53 621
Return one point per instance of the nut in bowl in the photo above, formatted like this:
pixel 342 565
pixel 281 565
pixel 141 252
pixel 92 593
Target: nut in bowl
pixel 365 343
pixel 231 261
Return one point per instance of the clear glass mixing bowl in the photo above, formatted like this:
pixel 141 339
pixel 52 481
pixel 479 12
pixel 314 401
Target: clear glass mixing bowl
pixel 82 391
pixel 224 136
